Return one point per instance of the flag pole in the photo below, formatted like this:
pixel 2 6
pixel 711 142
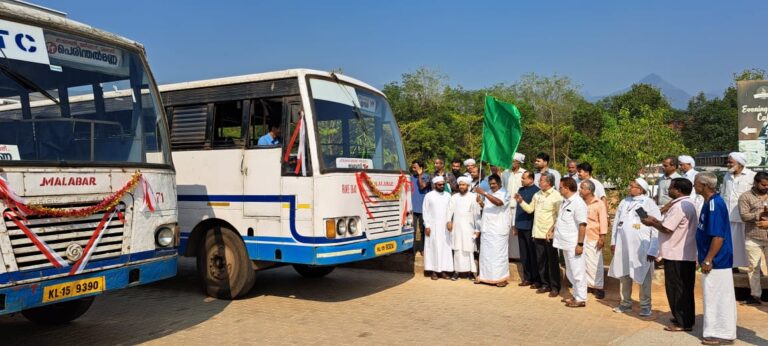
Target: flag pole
pixel 482 152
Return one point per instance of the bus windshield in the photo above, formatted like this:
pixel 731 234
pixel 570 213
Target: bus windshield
pixel 80 102
pixel 355 128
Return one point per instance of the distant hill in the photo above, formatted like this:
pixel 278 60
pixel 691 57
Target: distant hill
pixel 677 97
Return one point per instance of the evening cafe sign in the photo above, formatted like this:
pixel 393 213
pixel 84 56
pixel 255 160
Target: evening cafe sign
pixel 753 120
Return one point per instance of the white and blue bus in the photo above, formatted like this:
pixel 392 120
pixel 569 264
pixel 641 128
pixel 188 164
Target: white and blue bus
pixel 87 185
pixel 297 167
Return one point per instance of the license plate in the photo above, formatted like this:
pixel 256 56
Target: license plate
pixel 73 289
pixel 385 248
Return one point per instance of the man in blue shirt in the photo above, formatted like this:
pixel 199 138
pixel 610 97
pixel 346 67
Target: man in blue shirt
pixel 271 138
pixel 715 256
pixel 421 183
pixel 523 230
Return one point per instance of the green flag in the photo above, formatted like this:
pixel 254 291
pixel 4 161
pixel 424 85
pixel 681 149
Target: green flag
pixel 501 132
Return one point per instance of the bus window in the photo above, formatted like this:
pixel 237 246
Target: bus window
pixel 356 128
pixel 188 126
pixel 227 124
pixel 265 114
pixel 291 151
pixel 332 141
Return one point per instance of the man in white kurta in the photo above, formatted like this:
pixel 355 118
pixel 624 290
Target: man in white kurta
pixel 464 224
pixel 635 247
pixel 494 228
pixel 513 181
pixel 687 166
pixel 738 180
pixel 438 254
pixel 568 236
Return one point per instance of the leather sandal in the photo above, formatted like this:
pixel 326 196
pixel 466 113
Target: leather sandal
pixel 575 304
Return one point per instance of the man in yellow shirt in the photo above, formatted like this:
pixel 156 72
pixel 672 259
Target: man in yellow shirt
pixel 545 206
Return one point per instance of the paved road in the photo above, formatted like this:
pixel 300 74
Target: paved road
pixel 355 306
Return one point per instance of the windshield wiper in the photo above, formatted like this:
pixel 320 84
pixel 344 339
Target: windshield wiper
pixel 355 107
pixel 24 81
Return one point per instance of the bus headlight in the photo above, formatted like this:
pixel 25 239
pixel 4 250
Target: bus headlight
pixel 164 237
pixel 352 225
pixel 341 226
pixel 409 220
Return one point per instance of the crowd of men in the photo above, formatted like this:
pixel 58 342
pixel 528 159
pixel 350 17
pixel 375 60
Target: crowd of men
pixel 682 223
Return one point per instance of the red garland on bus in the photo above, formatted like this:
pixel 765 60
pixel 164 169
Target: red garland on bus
pixel 363 178
pixel 14 202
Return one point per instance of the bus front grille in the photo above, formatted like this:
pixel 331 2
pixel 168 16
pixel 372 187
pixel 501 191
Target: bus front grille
pixel 61 232
pixel 386 216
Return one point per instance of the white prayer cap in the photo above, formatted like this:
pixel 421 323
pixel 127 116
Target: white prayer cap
pixel 686 159
pixel 519 157
pixel 643 184
pixel 465 180
pixel 438 179
pixel 468 162
pixel 739 157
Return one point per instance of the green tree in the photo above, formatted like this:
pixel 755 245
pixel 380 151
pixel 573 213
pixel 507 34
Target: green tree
pixel 749 74
pixel 554 100
pixel 638 96
pixel 629 143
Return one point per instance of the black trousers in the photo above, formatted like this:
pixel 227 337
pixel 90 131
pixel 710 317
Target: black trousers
pixel 418 232
pixel 528 256
pixel 549 264
pixel 679 281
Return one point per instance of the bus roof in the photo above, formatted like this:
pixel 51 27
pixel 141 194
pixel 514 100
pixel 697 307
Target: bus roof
pixel 27 13
pixel 257 77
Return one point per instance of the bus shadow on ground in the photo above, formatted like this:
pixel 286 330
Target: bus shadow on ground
pixel 128 316
pixel 342 284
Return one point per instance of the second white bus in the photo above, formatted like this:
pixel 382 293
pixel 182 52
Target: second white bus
pixel 327 186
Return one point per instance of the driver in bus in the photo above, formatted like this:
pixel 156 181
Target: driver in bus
pixel 271 138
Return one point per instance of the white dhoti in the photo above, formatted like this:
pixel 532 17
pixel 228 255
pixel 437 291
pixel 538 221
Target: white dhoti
pixel 438 252
pixel 739 245
pixel 464 261
pixel 514 246
pixel 438 256
pixel 494 263
pixel 719 304
pixel 574 270
pixel 464 213
pixel 593 262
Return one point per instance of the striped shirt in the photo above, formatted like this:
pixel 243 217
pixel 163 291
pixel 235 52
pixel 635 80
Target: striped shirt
pixel 751 206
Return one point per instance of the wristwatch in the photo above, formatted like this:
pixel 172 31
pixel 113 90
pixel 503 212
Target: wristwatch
pixel 580 244
pixel 706 263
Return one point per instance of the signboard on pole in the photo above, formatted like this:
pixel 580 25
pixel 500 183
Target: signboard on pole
pixel 753 120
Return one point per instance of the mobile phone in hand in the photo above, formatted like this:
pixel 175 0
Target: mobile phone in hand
pixel 641 213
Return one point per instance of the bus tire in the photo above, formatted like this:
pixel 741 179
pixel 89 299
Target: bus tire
pixel 59 313
pixel 224 266
pixel 308 271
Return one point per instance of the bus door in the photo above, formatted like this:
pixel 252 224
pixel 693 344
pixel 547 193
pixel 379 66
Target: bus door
pixel 296 180
pixel 261 167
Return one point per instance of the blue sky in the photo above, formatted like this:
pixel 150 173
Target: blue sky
pixel 603 46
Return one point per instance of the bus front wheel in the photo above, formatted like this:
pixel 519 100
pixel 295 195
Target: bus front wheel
pixel 59 313
pixel 312 271
pixel 224 266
